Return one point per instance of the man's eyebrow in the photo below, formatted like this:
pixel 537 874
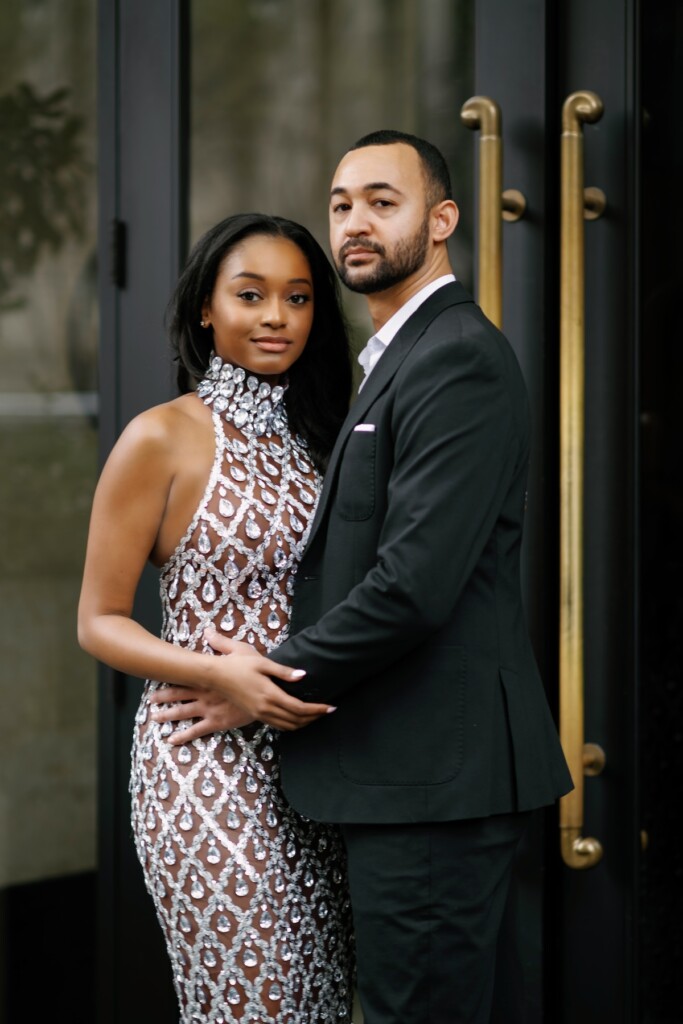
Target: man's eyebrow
pixel 372 186
pixel 259 277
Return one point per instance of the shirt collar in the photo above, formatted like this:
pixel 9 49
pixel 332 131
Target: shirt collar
pixel 390 329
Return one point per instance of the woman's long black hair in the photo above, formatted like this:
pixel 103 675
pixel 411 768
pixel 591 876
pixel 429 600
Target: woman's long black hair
pixel 319 389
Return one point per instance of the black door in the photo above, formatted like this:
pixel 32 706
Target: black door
pixel 212 107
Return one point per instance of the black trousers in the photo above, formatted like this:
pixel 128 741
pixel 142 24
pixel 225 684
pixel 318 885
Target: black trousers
pixel 427 905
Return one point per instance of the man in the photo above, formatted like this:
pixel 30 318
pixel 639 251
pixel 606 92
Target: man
pixel 408 616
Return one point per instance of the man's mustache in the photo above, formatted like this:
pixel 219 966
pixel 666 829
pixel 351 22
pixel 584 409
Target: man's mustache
pixel 367 246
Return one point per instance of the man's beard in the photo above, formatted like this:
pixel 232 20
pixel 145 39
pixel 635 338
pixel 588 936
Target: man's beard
pixel 409 255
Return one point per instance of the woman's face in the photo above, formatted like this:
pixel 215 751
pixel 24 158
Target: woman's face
pixel 261 309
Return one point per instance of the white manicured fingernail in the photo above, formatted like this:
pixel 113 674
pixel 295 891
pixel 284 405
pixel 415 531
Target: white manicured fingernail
pixel 297 673
pixel 330 710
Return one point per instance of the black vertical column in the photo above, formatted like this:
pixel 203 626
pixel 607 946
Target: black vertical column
pixel 511 68
pixel 142 141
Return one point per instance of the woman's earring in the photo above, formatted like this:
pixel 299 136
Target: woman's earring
pixel 204 323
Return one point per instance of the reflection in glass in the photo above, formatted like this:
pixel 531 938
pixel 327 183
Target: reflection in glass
pixel 281 88
pixel 48 453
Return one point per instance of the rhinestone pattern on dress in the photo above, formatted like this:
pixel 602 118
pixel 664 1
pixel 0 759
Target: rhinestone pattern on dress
pixel 251 896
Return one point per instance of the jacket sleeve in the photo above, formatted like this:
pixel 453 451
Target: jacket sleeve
pixel 457 442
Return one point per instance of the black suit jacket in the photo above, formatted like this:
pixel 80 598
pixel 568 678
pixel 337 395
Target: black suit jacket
pixel 407 609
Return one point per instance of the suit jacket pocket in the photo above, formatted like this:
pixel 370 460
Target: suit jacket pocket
pixel 406 728
pixel 355 496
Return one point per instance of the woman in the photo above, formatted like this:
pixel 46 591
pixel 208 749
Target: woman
pixel 251 897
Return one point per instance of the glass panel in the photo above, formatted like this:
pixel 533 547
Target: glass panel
pixel 48 453
pixel 281 88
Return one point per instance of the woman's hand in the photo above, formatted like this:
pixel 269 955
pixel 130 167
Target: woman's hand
pixel 214 712
pixel 246 679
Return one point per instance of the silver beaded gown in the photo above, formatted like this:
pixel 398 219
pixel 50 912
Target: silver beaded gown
pixel 251 897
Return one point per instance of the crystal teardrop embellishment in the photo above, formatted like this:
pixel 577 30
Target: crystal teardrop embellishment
pixel 241 886
pixel 209 591
pixel 232 820
pixel 184 628
pixel 226 508
pixel 186 821
pixel 184 755
pixel 164 790
pixel 233 996
pixel 296 524
pixel 204 542
pixel 232 569
pixel 169 855
pixel 266 919
pixel 197 890
pixel 210 958
pixel 249 958
pixel 279 558
pixel 223 924
pixel 237 474
pixel 252 529
pixel 254 590
pixel 268 497
pixel 213 855
pixel 228 620
pixel 208 788
pixel 173 589
pixel 273 621
pixel 189 574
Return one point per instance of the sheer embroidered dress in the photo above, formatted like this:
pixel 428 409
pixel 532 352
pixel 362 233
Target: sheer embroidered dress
pixel 251 896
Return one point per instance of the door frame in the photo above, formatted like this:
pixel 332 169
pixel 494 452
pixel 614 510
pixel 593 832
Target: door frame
pixel 143 129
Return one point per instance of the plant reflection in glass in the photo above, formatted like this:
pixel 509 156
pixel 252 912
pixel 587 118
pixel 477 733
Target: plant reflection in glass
pixel 42 177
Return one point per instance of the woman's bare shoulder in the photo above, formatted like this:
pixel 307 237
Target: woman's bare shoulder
pixel 164 426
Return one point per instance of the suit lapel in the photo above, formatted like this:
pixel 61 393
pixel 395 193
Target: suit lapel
pixel 450 295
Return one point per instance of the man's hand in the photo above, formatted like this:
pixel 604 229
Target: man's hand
pixel 245 679
pixel 214 712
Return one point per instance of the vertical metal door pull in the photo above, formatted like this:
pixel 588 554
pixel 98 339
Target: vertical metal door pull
pixel 578 851
pixel 494 204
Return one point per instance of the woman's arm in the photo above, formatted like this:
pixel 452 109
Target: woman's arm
pixel 131 500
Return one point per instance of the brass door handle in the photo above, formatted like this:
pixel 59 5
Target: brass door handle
pixel 578 851
pixel 494 204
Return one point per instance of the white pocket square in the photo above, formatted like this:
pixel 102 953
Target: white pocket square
pixel 367 428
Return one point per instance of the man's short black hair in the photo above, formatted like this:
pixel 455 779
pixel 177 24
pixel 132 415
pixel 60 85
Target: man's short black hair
pixel 434 168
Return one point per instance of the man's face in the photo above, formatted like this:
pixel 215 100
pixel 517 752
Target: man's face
pixel 379 221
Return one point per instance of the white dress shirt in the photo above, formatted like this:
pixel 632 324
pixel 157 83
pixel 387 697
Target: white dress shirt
pixel 371 354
